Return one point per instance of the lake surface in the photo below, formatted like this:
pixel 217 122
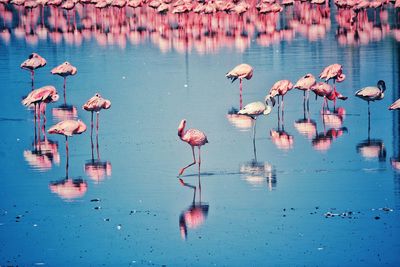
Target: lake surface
pixel 321 189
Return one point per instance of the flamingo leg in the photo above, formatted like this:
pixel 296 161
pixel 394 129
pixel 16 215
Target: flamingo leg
pixel 65 94
pixel 32 79
pixel 97 124
pixel 240 94
pixel 91 126
pixel 67 152
pixel 194 162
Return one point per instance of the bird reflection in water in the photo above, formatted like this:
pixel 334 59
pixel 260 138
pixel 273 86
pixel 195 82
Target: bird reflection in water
pixel 334 120
pixel 282 139
pixel 44 151
pixel 65 112
pixel 373 148
pixel 195 215
pixel 97 169
pixel 241 122
pixel 306 126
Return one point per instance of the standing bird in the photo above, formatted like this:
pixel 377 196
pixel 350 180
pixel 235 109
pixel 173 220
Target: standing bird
pixel 242 71
pixel 95 104
pixel 305 83
pixel 372 93
pixel 194 138
pixel 45 94
pixel 33 62
pixel 334 72
pixel 280 88
pixel 254 110
pixel 68 128
pixel 64 70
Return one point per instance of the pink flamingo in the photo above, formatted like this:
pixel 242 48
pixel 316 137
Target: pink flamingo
pixel 334 72
pixel 33 62
pixel 395 105
pixel 67 128
pixel 327 92
pixel 95 104
pixel 45 94
pixel 64 70
pixel 280 88
pixel 194 138
pixel 305 83
pixel 242 71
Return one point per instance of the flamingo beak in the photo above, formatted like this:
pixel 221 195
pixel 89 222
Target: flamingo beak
pixel 271 99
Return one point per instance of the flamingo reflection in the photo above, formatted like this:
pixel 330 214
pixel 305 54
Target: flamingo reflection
pixel 195 215
pixel 95 168
pixel 306 126
pixel 44 152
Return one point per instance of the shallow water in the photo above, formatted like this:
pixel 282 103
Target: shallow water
pixel 326 197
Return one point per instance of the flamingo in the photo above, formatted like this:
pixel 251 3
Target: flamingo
pixel 242 71
pixel 33 62
pixel 305 83
pixel 68 128
pixel 64 70
pixel 334 72
pixel 280 88
pixel 372 93
pixel 254 110
pixel 95 104
pixel 194 138
pixel 45 94
pixel 395 105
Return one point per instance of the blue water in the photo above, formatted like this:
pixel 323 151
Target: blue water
pixel 268 211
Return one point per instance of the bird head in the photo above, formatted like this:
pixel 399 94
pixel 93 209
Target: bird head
pixel 382 85
pixel 181 127
pixel 55 97
pixel 267 110
pixel 270 98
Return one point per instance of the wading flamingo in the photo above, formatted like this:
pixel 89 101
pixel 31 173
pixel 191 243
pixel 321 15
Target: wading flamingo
pixel 242 71
pixel 280 88
pixel 33 62
pixel 95 104
pixel 254 110
pixel 334 72
pixel 64 70
pixel 372 93
pixel 68 128
pixel 45 94
pixel 194 138
pixel 305 83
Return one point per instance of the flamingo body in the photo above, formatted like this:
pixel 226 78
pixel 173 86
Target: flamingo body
pixel 193 137
pixel 255 109
pixel 395 105
pixel 68 128
pixel 242 71
pixel 97 103
pixel 372 93
pixel 33 62
pixel 334 72
pixel 44 94
pixel 306 82
pixel 64 70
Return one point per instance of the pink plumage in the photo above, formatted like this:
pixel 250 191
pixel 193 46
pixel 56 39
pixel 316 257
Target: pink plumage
pixel 334 72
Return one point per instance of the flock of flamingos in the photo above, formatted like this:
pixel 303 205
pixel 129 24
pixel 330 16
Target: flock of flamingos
pixel 38 98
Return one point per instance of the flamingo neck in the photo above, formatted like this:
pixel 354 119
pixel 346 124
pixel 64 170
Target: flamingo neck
pixel 181 131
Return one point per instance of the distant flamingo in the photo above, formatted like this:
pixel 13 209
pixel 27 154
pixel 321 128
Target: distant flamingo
pixel 45 94
pixel 95 104
pixel 194 138
pixel 64 70
pixel 33 62
pixel 372 93
pixel 242 71
pixel 305 83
